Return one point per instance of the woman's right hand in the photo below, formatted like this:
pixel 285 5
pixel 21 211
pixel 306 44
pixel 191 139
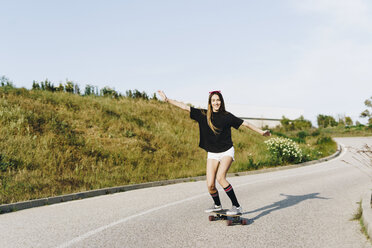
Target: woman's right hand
pixel 162 95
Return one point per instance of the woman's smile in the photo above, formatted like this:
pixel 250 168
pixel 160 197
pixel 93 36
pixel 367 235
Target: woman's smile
pixel 216 103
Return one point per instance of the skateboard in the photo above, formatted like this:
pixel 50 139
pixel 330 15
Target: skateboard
pixel 230 219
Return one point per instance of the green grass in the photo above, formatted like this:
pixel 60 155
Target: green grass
pixel 59 143
pixel 358 217
pixel 348 131
pixel 358 214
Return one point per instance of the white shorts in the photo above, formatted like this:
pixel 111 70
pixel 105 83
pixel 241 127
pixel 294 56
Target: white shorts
pixel 219 155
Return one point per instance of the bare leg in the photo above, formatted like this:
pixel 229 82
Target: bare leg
pixel 225 164
pixel 212 167
pixel 221 178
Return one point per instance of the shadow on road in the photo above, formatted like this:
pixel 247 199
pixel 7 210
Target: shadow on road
pixel 289 201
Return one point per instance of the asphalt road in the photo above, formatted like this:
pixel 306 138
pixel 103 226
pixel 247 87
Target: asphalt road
pixel 309 206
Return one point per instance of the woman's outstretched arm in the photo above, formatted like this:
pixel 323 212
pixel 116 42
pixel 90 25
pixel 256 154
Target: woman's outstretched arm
pixel 256 129
pixel 173 102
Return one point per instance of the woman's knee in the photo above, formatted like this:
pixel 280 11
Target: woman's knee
pixel 221 179
pixel 211 188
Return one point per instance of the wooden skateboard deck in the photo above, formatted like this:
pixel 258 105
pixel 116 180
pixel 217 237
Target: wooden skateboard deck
pixel 230 219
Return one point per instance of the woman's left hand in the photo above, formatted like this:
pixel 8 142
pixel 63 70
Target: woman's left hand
pixel 266 133
pixel 162 95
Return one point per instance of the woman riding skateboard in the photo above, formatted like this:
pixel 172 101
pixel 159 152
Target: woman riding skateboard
pixel 215 137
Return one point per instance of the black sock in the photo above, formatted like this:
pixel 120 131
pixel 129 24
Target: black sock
pixel 230 192
pixel 216 198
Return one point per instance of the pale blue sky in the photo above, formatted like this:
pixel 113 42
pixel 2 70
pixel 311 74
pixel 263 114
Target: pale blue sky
pixel 310 55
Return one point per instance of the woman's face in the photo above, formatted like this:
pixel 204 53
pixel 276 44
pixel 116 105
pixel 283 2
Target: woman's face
pixel 215 102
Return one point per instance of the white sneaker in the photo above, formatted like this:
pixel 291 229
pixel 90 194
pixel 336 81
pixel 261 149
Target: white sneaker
pixel 213 208
pixel 234 211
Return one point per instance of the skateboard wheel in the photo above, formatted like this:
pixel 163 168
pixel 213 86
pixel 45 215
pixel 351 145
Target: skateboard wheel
pixel 244 222
pixel 229 222
pixel 211 218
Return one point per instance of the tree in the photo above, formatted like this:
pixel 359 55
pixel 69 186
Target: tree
pixel 154 97
pixel 298 124
pixel 302 124
pixel 4 81
pixel 366 113
pixel 129 94
pixel 326 120
pixel 48 86
pixel 107 91
pixel 136 94
pixel 321 120
pixel 60 88
pixel 35 85
pixel 287 124
pixel 341 120
pixel 69 87
pixel 89 90
pixel 76 89
pixel 348 121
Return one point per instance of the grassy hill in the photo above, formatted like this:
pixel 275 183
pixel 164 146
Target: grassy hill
pixel 58 143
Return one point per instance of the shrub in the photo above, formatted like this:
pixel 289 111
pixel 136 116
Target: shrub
pixel 3 164
pixel 6 163
pixel 315 133
pixel 280 134
pixel 108 92
pixel 69 87
pixel 298 124
pixel 299 140
pixel 311 153
pixel 324 140
pixel 324 145
pixel 302 134
pixel 301 137
pixel 135 94
pixel 287 124
pixel 302 124
pixel 284 150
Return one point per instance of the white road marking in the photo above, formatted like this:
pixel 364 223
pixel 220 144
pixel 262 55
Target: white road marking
pixel 93 232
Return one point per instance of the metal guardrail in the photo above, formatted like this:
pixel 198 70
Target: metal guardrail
pixel 260 119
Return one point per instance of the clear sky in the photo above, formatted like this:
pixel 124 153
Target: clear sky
pixel 314 55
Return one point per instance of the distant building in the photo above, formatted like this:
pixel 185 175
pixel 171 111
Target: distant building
pixel 262 122
pixel 261 116
pixel 264 116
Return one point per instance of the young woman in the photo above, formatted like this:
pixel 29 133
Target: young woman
pixel 215 137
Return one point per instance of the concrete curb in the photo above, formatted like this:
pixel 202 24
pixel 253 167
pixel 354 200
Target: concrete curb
pixel 367 212
pixel 6 208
